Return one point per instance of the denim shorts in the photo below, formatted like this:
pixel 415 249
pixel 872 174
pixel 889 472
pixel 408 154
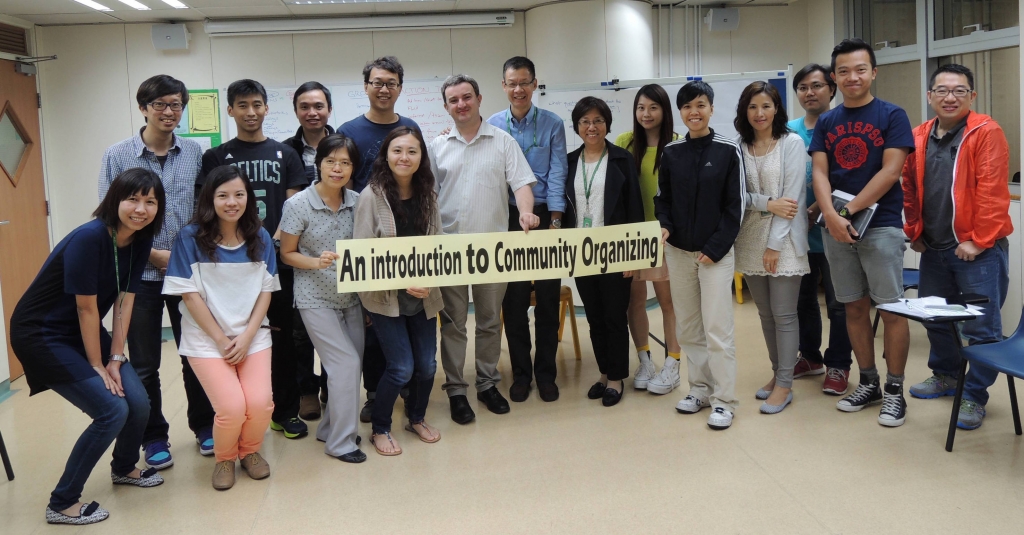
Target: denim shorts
pixel 872 267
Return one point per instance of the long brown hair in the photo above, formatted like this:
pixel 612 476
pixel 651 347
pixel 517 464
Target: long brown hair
pixel 383 181
pixel 656 94
pixel 206 218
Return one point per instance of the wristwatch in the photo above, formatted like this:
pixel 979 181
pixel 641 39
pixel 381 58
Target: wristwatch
pixel 119 358
pixel 844 212
pixel 557 223
pixel 277 244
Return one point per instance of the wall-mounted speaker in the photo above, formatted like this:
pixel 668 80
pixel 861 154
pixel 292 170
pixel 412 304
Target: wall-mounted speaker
pixel 723 19
pixel 170 37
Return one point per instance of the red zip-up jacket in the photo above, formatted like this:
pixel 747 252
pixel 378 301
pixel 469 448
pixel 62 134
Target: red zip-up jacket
pixel 981 196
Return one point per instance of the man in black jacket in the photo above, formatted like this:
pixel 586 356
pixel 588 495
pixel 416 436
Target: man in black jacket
pixel 700 206
pixel 312 104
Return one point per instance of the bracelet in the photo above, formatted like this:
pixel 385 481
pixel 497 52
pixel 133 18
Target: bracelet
pixel 119 358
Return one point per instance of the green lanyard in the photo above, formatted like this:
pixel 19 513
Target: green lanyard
pixel 508 126
pixel 588 186
pixel 117 267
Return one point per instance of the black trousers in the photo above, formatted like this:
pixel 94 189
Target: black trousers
pixel 284 357
pixel 145 338
pixel 373 360
pixel 517 322
pixel 605 300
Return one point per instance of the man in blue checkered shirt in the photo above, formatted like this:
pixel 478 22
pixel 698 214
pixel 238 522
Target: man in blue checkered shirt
pixel 177 161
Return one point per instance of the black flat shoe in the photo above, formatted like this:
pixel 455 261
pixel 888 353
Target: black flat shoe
pixel 597 391
pixel 462 413
pixel 519 392
pixel 495 402
pixel 548 391
pixel 354 456
pixel 611 397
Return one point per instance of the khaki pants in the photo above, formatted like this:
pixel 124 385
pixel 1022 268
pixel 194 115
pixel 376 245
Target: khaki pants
pixel 702 298
pixel 487 311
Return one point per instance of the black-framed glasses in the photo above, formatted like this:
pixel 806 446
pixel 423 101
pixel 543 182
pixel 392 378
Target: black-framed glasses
pixel 377 84
pixel 158 105
pixel 958 92
pixel 513 85
pixel 812 87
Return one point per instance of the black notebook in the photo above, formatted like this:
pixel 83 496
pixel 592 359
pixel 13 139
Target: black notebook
pixel 860 220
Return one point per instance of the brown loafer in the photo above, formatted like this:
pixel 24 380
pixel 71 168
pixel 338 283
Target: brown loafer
pixel 256 466
pixel 224 475
pixel 309 407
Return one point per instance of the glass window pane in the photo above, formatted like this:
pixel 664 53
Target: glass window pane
pixel 895 22
pixel 955 18
pixel 900 83
pixel 997 81
pixel 12 145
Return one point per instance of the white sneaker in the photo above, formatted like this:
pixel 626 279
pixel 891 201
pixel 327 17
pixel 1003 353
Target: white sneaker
pixel 691 405
pixel 720 419
pixel 644 372
pixel 667 379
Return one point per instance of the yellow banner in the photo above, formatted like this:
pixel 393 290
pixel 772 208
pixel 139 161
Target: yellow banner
pixel 460 259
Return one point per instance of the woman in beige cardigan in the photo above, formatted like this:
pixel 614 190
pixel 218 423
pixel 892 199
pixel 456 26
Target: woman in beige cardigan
pixel 399 202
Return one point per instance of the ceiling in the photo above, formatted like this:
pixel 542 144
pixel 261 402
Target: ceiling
pixel 47 12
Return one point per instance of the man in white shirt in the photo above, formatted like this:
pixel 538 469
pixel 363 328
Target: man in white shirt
pixel 475 165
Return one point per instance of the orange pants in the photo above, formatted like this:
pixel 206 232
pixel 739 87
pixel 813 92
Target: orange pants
pixel 242 400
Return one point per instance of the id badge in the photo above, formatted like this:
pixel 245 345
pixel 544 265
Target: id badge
pixel 587 222
pixel 765 215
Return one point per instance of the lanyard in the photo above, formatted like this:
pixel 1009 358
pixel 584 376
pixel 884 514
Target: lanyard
pixel 117 267
pixel 508 126
pixel 588 186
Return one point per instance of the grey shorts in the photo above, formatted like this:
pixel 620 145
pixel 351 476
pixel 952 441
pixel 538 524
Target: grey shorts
pixel 872 267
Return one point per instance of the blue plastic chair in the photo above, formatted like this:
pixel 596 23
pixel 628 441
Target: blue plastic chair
pixel 1005 357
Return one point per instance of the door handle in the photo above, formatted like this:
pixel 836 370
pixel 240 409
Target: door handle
pixel 6 222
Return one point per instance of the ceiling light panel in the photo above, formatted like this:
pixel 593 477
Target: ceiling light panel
pixel 135 4
pixel 175 4
pixel 94 5
pixel 318 2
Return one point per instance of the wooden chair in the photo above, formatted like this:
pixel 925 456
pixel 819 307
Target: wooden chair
pixel 564 303
pixel 737 280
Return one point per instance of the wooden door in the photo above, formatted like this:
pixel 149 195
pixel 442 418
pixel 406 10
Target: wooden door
pixel 24 238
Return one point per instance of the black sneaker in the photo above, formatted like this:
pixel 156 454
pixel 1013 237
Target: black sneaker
pixel 864 395
pixel 292 428
pixel 894 406
pixel 367 412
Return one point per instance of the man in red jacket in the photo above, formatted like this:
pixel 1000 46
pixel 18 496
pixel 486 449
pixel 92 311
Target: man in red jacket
pixel 956 201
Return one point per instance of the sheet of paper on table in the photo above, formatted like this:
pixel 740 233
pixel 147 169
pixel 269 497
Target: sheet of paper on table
pixel 930 307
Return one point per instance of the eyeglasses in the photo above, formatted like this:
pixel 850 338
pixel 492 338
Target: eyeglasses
pixel 158 105
pixel 943 92
pixel 513 86
pixel 812 87
pixel 587 124
pixel 377 84
pixel 331 162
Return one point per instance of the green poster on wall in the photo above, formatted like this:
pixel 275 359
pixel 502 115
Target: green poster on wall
pixel 200 120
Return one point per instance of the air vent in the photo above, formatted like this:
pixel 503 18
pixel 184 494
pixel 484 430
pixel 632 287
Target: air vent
pixel 13 40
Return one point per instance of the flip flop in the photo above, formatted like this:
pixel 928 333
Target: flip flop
pixel 397 451
pixel 411 429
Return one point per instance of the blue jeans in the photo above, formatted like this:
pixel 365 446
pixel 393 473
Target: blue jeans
pixel 112 417
pixel 409 344
pixel 838 353
pixel 945 275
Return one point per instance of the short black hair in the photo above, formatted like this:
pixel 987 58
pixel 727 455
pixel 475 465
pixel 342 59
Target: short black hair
pixel 245 87
pixel 132 182
pixel 387 63
pixel 742 124
pixel 952 68
pixel 159 86
pixel 693 90
pixel 585 106
pixel 815 67
pixel 852 45
pixel 516 63
pixel 311 86
pixel 332 143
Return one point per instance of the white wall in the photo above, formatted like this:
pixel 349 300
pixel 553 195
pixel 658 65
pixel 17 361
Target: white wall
pixel 89 93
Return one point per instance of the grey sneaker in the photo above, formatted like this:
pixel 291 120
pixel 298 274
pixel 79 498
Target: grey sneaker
pixel 935 386
pixel 971 415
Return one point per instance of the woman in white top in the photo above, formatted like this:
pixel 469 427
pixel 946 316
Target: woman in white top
pixel 602 189
pixel 771 248
pixel 223 266
pixel 312 223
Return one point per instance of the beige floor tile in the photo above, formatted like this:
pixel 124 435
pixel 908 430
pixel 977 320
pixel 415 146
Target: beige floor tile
pixel 571 466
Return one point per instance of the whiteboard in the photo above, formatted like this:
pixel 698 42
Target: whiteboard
pixel 420 101
pixel 619 97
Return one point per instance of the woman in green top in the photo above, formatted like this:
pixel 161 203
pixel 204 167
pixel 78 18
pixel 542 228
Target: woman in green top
pixel 652 130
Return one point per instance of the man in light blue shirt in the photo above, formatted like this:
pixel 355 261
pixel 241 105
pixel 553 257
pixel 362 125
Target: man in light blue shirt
pixel 541 136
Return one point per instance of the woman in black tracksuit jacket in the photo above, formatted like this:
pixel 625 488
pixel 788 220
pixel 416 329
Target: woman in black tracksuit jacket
pixel 614 199
pixel 700 206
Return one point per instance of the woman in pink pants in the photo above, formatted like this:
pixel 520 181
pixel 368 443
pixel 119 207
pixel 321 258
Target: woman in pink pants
pixel 223 265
